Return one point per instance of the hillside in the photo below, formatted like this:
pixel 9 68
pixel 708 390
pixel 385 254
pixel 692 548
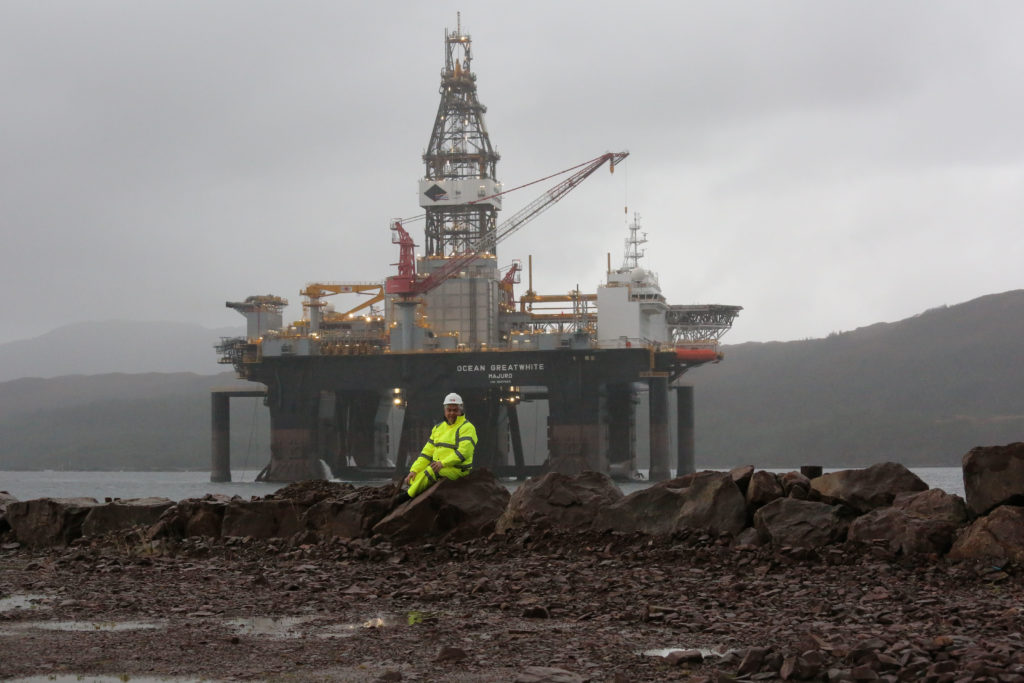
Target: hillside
pixel 115 346
pixel 120 421
pixel 922 391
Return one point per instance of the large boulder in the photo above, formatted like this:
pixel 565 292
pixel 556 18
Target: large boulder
pixel 559 500
pixel 904 533
pixel 262 518
pixel 709 501
pixel 741 475
pixel 868 488
pixel 48 521
pixel 997 536
pixel 933 504
pixel 354 514
pixel 124 514
pixel 994 475
pixel 654 511
pixel 312 491
pixel 450 510
pixel 795 485
pixel 5 498
pixel 192 517
pixel 801 523
pixel 764 487
pixel 918 523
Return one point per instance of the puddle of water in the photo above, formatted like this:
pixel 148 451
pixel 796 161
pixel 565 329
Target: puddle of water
pixel 665 651
pixel 92 626
pixel 81 626
pixel 83 678
pixel 280 627
pixel 26 601
pixel 295 627
pixel 340 630
pixel 343 630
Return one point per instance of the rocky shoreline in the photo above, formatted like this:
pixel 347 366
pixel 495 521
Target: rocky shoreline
pixel 557 584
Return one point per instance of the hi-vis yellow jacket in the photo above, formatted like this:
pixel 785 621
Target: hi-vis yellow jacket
pixel 450 444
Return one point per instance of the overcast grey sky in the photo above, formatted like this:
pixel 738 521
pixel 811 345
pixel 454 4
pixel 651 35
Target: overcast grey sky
pixel 825 165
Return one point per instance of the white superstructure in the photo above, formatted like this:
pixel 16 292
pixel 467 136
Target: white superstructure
pixel 631 309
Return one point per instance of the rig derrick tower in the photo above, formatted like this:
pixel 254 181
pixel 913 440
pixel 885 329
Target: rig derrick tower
pixel 460 160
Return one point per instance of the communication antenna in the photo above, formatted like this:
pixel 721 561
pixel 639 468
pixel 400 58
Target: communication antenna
pixel 633 251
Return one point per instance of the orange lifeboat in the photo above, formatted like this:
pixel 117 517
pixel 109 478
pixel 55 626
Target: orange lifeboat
pixel 697 355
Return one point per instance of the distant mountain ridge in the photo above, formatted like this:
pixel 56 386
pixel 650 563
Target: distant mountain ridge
pixel 93 348
pixel 921 391
pixel 147 421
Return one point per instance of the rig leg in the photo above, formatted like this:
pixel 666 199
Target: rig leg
pixel 517 441
pixel 574 430
pixel 620 417
pixel 685 451
pixel 363 407
pixel 328 437
pixel 387 430
pixel 293 438
pixel 220 461
pixel 420 417
pixel 659 428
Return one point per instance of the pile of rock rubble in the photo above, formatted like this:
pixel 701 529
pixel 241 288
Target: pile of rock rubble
pixel 884 506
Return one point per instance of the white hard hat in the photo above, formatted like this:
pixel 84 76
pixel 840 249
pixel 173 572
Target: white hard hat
pixel 452 398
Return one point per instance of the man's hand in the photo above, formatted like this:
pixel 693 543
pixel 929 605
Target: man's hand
pixel 408 479
pixel 436 466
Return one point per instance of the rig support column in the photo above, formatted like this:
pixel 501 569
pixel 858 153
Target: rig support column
pixel 659 428
pixel 574 443
pixel 294 417
pixel 685 451
pixel 517 441
pixel 220 462
pixel 619 414
pixel 420 417
pixel 220 417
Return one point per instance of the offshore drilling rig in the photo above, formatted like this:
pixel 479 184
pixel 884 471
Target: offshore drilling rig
pixel 341 386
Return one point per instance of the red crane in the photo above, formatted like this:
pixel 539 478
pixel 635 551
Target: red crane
pixel 505 286
pixel 408 285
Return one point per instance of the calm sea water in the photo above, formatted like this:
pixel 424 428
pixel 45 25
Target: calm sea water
pixel 180 485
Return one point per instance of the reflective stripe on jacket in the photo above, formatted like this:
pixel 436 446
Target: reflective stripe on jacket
pixel 450 444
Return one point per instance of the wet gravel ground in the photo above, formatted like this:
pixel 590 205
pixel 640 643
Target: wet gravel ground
pixel 593 605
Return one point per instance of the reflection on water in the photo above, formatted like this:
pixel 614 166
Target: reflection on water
pixel 86 626
pixel 25 601
pixel 666 651
pixel 298 627
pixel 84 678
pixel 279 627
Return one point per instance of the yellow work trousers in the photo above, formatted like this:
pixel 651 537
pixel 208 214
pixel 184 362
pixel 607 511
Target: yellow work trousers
pixel 427 478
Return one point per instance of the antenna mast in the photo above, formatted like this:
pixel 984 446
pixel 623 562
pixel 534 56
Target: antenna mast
pixel 633 251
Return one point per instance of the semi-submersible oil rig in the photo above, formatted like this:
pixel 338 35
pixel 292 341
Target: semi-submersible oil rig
pixel 341 386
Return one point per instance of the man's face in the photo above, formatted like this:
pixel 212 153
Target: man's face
pixel 452 412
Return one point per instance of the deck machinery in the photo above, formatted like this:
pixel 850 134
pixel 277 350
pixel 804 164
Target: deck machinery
pixel 341 386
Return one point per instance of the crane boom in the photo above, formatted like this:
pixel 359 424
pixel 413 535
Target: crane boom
pixel 410 286
pixel 316 291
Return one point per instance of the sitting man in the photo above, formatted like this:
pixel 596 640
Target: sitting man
pixel 447 453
